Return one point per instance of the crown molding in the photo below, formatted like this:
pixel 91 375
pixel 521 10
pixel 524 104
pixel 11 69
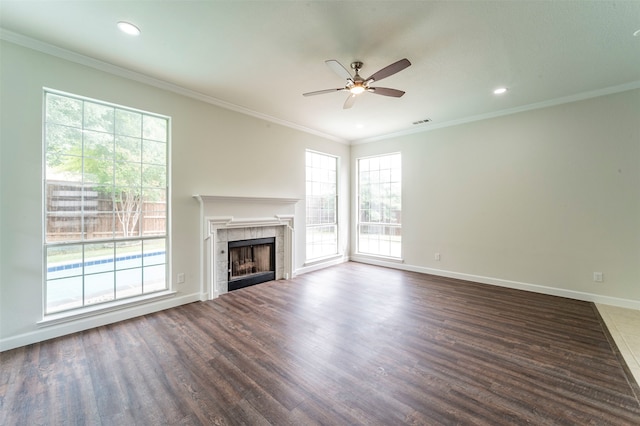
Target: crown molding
pixel 88 61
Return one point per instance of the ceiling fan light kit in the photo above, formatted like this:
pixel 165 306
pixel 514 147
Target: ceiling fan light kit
pixel 356 85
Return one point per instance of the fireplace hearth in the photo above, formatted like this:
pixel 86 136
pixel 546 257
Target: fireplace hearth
pixel 251 262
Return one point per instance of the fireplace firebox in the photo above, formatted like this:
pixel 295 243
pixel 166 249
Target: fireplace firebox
pixel 251 262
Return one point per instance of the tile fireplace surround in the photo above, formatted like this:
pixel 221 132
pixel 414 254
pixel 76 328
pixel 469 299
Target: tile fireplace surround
pixel 225 219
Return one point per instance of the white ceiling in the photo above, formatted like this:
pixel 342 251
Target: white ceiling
pixel 260 56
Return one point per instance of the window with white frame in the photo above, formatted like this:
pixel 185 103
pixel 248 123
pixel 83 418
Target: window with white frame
pixel 380 205
pixel 322 200
pixel 105 202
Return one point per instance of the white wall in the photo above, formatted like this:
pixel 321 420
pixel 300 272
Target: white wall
pixel 537 200
pixel 214 152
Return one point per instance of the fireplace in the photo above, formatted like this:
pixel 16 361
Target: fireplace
pixel 231 219
pixel 251 262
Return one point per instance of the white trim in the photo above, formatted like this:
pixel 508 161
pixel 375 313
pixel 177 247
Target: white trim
pixel 102 308
pixel 259 200
pixel 318 264
pixel 536 288
pixel 365 257
pixel 68 55
pixel 61 329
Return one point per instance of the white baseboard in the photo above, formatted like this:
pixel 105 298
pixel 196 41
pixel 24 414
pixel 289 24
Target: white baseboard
pixel 536 288
pixel 81 324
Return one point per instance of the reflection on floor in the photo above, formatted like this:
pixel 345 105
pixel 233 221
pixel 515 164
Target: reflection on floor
pixel 624 326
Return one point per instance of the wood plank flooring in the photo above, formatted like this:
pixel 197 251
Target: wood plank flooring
pixel 348 345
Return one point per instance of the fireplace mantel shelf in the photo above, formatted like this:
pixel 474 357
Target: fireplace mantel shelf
pixel 233 199
pixel 230 222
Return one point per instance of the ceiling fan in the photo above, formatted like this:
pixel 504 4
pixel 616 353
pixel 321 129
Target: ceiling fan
pixel 356 84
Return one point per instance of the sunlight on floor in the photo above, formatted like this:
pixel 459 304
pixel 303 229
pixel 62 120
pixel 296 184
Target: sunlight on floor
pixel 624 326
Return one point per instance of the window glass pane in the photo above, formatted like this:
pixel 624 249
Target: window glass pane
pixel 64 294
pixel 128 123
pixel 128 254
pixel 64 261
pixel 153 278
pixel 98 170
pixel 99 288
pixel 98 258
pixel 129 283
pixel 64 277
pixel 94 195
pixel 321 185
pixel 128 176
pixel 128 149
pixel 154 176
pixel 154 216
pixel 98 117
pixel 154 152
pixel 154 252
pixel 98 145
pixel 379 206
pixel 63 212
pixel 62 140
pixel 154 128
pixel 63 110
pixel 64 168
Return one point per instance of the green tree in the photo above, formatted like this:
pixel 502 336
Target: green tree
pixel 118 152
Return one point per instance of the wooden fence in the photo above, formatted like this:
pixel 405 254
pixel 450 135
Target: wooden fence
pixel 67 203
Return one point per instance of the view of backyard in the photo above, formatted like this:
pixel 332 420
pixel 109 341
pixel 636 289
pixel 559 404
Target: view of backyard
pixel 105 202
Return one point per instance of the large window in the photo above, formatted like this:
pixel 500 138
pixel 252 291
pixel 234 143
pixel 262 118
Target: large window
pixel 322 198
pixel 105 201
pixel 380 205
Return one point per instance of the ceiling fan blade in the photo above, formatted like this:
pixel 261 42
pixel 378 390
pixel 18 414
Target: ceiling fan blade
pixel 389 70
pixel 385 91
pixel 320 92
pixel 339 69
pixel 349 102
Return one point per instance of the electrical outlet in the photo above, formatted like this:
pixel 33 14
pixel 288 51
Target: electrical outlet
pixel 437 257
pixel 181 278
pixel 597 277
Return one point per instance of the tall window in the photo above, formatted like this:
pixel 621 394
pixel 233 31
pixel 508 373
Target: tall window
pixel 105 200
pixel 322 198
pixel 380 205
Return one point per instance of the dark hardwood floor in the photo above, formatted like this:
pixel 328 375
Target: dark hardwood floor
pixel 348 345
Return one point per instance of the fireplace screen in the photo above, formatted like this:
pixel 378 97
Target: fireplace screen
pixel 251 262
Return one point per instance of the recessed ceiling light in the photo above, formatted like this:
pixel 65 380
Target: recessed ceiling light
pixel 128 28
pixel 500 91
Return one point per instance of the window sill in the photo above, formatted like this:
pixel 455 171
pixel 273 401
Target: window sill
pixel 380 258
pixel 320 260
pixel 103 308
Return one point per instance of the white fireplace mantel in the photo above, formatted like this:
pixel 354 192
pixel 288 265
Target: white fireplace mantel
pixel 225 218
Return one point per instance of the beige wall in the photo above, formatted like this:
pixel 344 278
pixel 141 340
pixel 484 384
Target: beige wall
pixel 537 200
pixel 211 148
